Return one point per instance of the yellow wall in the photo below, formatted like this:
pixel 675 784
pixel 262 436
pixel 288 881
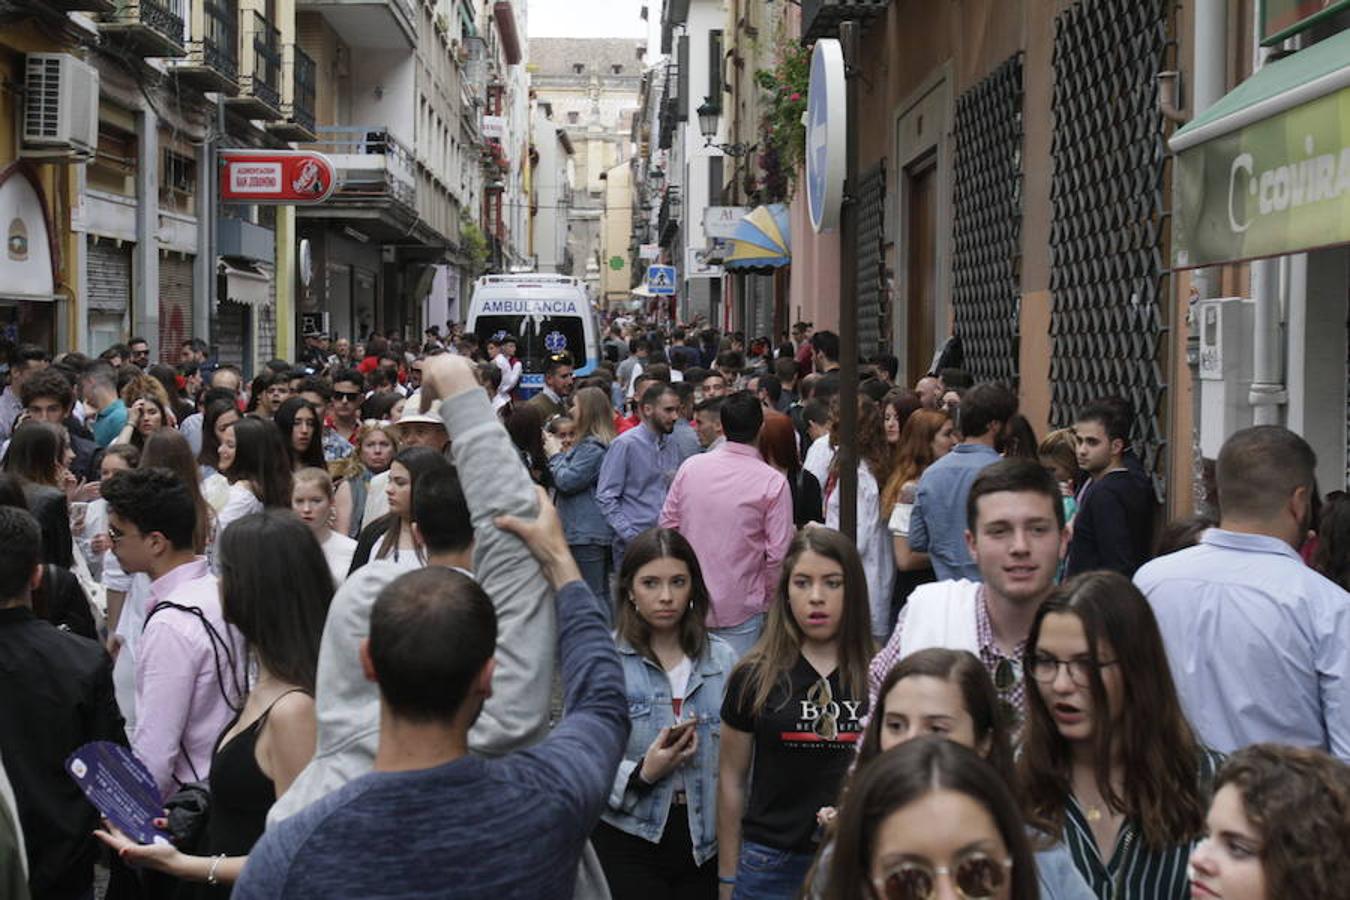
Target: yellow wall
pixel 57 179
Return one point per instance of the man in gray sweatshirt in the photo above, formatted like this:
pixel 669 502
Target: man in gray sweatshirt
pixel 494 484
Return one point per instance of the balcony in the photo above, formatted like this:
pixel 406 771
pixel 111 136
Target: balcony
pixel 150 28
pixel 821 18
pixel 259 70
pixel 668 220
pixel 376 180
pixel 212 62
pixel 377 24
pixel 297 97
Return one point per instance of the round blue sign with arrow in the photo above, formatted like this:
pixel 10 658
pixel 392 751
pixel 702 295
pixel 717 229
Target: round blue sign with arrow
pixel 826 135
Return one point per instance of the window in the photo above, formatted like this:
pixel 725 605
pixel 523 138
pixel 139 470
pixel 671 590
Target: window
pixel 179 173
pixel 573 117
pixel 578 68
pixel 715 68
pixel 616 69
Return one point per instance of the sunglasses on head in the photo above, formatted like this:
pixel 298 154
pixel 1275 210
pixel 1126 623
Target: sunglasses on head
pixel 977 876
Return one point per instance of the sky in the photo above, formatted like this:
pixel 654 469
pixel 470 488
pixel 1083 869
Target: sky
pixel 594 18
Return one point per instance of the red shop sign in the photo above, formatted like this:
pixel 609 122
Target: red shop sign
pixel 276 177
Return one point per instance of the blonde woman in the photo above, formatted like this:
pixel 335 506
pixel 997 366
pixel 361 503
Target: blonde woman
pixel 575 473
pixel 312 500
pixel 376 447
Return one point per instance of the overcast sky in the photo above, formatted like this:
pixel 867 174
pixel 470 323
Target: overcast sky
pixel 594 18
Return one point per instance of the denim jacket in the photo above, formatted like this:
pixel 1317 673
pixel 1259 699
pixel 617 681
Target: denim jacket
pixel 575 474
pixel 643 813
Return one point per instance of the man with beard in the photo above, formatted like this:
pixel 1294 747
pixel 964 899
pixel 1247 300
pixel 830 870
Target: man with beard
pixel 639 468
pixel 1256 638
pixel 938 525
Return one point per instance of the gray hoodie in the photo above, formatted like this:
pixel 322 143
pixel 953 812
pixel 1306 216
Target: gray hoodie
pixel 347 706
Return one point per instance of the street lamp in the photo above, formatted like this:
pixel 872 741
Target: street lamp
pixel 708 114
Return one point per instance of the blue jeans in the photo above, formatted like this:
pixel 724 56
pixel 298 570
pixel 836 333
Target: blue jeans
pixel 743 636
pixel 765 873
pixel 596 564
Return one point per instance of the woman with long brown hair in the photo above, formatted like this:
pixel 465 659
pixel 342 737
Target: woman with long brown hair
pixel 167 449
pixel 658 836
pixel 794 708
pixel 875 461
pixel 927 437
pixel 575 472
pixel 778 446
pixel 1109 763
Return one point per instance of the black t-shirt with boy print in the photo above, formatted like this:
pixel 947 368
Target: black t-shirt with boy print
pixel 803 746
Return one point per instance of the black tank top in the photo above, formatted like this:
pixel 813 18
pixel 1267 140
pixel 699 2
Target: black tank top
pixel 241 794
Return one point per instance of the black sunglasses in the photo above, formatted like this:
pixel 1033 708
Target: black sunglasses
pixel 346 395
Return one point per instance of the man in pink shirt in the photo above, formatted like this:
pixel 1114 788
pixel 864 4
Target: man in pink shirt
pixel 190 665
pixel 736 511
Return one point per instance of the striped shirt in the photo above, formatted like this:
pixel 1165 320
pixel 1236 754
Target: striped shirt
pixel 1135 871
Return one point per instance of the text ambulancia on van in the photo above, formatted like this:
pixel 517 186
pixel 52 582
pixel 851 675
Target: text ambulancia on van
pixel 546 314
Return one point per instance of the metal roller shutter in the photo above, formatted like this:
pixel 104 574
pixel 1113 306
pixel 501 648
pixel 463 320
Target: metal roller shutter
pixel 175 304
pixel 109 272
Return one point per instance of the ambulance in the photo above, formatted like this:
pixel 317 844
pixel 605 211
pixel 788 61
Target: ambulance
pixel 546 314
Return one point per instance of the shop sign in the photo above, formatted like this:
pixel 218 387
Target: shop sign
pixel 276 177
pixel 1278 186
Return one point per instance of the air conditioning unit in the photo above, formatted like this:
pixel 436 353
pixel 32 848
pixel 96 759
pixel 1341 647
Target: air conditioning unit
pixel 60 108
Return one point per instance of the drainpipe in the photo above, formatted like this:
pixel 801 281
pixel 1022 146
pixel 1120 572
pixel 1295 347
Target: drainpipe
pixel 1267 393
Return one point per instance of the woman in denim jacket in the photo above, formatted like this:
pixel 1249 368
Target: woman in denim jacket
pixel 575 473
pixel 658 837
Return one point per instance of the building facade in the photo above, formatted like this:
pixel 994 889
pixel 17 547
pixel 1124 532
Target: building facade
pixel 591 86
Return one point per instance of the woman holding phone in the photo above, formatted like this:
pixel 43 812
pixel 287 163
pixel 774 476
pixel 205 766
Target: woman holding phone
pixel 658 834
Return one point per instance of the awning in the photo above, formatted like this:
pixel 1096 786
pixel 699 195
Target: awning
pixel 762 240
pixel 246 284
pixel 1265 171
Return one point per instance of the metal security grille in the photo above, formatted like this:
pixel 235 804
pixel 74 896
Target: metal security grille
pixel 1108 277
pixel 873 330
pixel 987 224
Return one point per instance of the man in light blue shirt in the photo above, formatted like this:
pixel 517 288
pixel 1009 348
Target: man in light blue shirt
pixel 938 524
pixel 1259 644
pixel 98 389
pixel 638 469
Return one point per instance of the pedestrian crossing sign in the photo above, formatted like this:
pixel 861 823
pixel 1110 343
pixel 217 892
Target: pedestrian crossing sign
pixel 661 279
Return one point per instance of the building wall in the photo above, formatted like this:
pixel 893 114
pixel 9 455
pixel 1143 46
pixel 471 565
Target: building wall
pixel 618 231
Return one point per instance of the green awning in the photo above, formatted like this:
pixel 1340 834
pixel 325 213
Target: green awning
pixel 1265 171
pixel 1323 68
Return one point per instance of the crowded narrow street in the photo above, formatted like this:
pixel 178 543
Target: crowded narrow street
pixel 675 449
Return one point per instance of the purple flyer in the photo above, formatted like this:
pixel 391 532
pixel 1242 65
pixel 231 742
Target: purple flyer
pixel 119 787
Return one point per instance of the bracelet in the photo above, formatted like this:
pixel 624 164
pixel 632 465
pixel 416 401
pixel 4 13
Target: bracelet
pixel 211 873
pixel 722 879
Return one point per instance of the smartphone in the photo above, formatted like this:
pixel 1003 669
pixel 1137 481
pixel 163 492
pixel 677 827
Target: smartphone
pixel 678 731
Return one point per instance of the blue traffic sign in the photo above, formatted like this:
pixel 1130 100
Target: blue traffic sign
pixel 825 134
pixel 661 280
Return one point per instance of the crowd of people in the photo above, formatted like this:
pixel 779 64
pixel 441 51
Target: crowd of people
pixel 381 623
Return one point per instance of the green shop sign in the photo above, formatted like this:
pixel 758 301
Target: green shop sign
pixel 1278 186
pixel 1265 170
pixel 1282 18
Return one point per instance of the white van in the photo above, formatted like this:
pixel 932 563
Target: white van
pixel 546 314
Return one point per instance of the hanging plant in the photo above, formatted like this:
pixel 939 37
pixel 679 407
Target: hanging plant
pixel 784 136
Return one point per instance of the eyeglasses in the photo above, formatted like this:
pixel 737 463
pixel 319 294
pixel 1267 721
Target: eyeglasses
pixel 1045 668
pixel 346 395
pixel 821 696
pixel 977 876
pixel 1007 676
